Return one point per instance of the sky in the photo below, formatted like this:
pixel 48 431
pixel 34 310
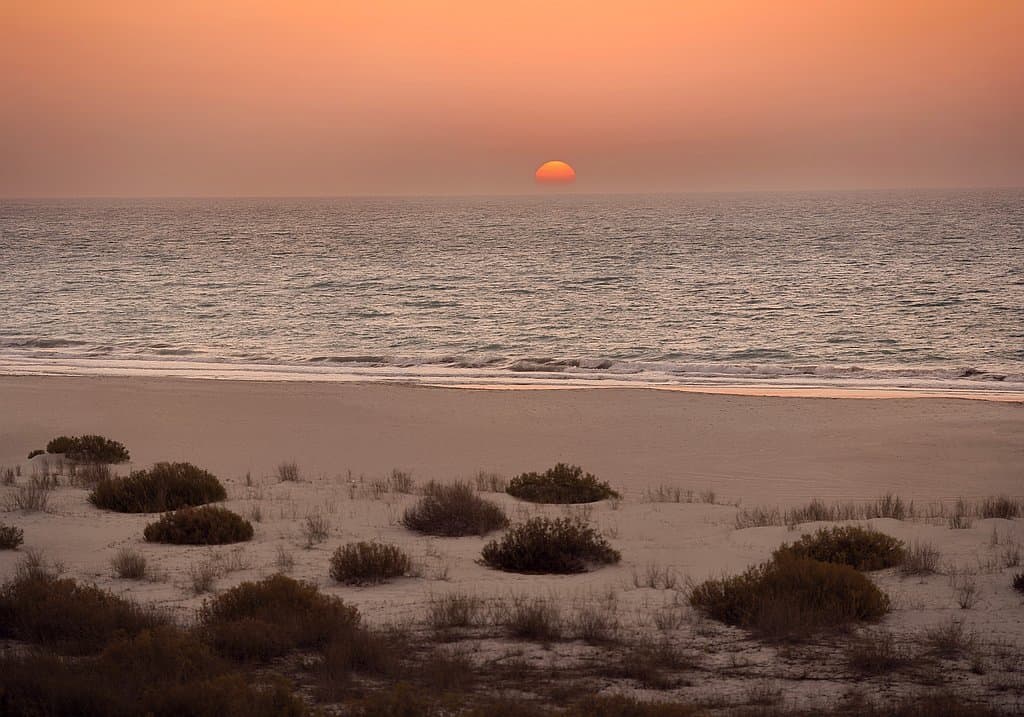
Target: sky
pixel 342 97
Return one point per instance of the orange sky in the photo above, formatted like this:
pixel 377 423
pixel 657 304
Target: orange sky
pixel 128 97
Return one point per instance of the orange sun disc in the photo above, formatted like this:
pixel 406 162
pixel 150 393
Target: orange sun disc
pixel 555 172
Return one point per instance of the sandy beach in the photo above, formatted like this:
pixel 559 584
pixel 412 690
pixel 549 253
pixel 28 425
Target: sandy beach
pixel 748 451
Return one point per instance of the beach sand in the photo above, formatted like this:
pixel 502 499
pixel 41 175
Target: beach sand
pixel 754 451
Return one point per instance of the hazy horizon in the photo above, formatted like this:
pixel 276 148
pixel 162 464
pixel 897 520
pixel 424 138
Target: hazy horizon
pixel 112 99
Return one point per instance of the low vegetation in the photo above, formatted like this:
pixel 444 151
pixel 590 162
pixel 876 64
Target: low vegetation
pixel 1000 507
pixel 366 563
pixel 561 484
pixel 10 537
pixel 791 597
pixel 1018 582
pixel 860 548
pixel 263 620
pixel 161 672
pixel 129 564
pixel 288 472
pixel 545 545
pixel 65 615
pixel 920 559
pixel 89 449
pixel 453 510
pixel 32 497
pixel 206 525
pixel 165 486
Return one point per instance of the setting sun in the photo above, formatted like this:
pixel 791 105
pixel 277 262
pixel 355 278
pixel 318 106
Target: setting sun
pixel 555 172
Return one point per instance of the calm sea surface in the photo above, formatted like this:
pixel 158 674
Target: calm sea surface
pixel 911 289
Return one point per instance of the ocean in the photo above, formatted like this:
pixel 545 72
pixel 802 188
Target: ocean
pixel 909 290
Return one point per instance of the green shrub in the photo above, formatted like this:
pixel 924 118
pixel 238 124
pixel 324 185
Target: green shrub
pixel 860 548
pixel 10 537
pixel 89 449
pixel 1018 582
pixel 206 525
pixel 453 510
pixel 165 486
pixel 62 614
pixel 365 563
pixel 561 484
pixel 543 545
pixel 265 619
pixel 791 597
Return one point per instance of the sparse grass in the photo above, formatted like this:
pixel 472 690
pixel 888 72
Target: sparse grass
pixel 129 564
pixel 366 563
pixel 11 537
pixel 7 476
pixel 315 529
pixel 401 481
pixel 206 525
pixel 543 545
pixel 888 506
pixel 920 558
pixel 89 449
pixel 454 610
pixel 860 548
pixel 966 589
pixel 165 486
pixel 877 654
pixel 1000 507
pixel 266 619
pixel 65 615
pixel 595 624
pixel 791 598
pixel 33 497
pixel 960 518
pixel 950 639
pixel 284 561
pixel 453 510
pixel 561 484
pixel 288 472
pixel 88 475
pixel 648 663
pixel 656 576
pixel 534 618
pixel 487 481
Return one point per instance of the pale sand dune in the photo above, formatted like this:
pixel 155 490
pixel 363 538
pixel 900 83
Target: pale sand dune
pixel 761 450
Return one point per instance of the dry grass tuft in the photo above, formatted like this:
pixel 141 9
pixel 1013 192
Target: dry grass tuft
pixel 129 564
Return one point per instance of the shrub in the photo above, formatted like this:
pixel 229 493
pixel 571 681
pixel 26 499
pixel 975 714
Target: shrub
pixel 265 619
pixel 365 563
pixel 90 474
pixel 561 484
pixel 10 537
pixel 36 452
pixel 791 597
pixel 543 545
pixel 166 676
pixel 1018 582
pixel 877 654
pixel 60 613
pixel 129 564
pixel 89 449
pixel 165 486
pixel 207 525
pixel 453 510
pixel 860 548
pixel 315 530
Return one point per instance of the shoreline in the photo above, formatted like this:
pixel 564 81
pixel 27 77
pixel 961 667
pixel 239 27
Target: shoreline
pixel 796 387
pixel 753 449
